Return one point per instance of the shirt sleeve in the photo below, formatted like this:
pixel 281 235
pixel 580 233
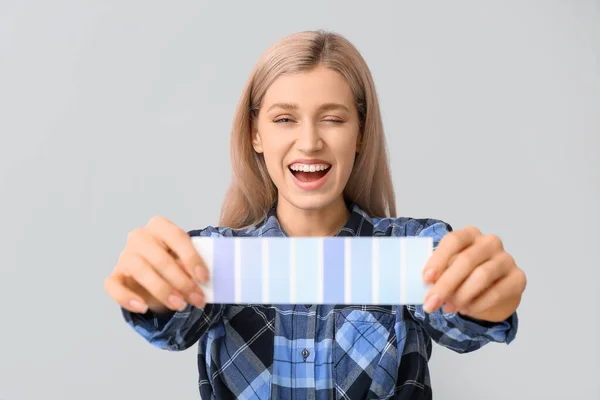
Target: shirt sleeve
pixel 175 330
pixel 452 330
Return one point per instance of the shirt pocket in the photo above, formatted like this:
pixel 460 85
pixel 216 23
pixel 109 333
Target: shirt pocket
pixel 365 354
pixel 248 347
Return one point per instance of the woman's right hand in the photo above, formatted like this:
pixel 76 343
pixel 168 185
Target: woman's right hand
pixel 158 270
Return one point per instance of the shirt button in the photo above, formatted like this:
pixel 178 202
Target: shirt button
pixel 305 353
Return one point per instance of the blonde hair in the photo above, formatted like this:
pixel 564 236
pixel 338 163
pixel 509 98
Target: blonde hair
pixel 252 193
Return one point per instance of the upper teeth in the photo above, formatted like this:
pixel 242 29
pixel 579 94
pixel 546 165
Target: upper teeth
pixel 309 168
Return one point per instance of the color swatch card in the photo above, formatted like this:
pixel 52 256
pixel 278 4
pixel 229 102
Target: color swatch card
pixel 307 270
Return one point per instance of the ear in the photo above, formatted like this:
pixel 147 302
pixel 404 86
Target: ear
pixel 256 140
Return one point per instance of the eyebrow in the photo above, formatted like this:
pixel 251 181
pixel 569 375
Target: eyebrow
pixel 323 107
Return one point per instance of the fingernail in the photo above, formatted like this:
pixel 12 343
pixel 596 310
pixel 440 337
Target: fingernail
pixel 200 274
pixel 432 303
pixel 177 302
pixel 140 307
pixel 197 299
pixel 428 276
pixel 449 308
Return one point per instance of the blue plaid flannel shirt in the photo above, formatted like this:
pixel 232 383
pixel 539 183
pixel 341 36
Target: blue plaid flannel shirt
pixel 262 351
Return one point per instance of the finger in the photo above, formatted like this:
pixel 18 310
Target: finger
pixel 177 277
pixel 159 258
pixel 450 245
pixel 481 279
pixel 507 288
pixel 465 262
pixel 178 241
pixel 143 273
pixel 449 307
pixel 123 296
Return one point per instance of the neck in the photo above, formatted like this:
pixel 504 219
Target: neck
pixel 326 221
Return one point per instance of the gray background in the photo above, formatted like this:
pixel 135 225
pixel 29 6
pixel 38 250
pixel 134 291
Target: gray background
pixel 112 112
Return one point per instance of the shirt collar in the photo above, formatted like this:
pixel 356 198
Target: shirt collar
pixel 359 223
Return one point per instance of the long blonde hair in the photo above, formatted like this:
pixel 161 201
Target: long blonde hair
pixel 252 192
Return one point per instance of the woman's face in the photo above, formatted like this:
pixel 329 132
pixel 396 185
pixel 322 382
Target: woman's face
pixel 308 131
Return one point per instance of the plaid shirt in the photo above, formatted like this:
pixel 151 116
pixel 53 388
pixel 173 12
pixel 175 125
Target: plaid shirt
pixel 262 351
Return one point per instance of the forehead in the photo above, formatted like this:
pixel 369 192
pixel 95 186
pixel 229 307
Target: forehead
pixel 310 88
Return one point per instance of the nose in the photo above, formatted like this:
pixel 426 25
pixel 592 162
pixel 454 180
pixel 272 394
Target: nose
pixel 309 140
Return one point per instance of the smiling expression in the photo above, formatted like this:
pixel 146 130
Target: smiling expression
pixel 308 132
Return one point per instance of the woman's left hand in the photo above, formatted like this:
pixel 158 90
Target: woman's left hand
pixel 471 274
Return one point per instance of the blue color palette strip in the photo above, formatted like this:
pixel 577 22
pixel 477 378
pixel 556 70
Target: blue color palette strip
pixel 331 270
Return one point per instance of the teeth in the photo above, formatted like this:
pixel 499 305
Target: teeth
pixel 309 168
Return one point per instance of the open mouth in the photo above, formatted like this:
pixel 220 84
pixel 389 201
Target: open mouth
pixel 309 172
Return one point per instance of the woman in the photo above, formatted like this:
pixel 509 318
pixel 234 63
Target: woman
pixel 309 159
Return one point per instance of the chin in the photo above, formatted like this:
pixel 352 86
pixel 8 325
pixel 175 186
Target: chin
pixel 310 199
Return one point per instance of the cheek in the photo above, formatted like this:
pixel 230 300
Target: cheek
pixel 346 152
pixel 273 154
pixel 271 161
